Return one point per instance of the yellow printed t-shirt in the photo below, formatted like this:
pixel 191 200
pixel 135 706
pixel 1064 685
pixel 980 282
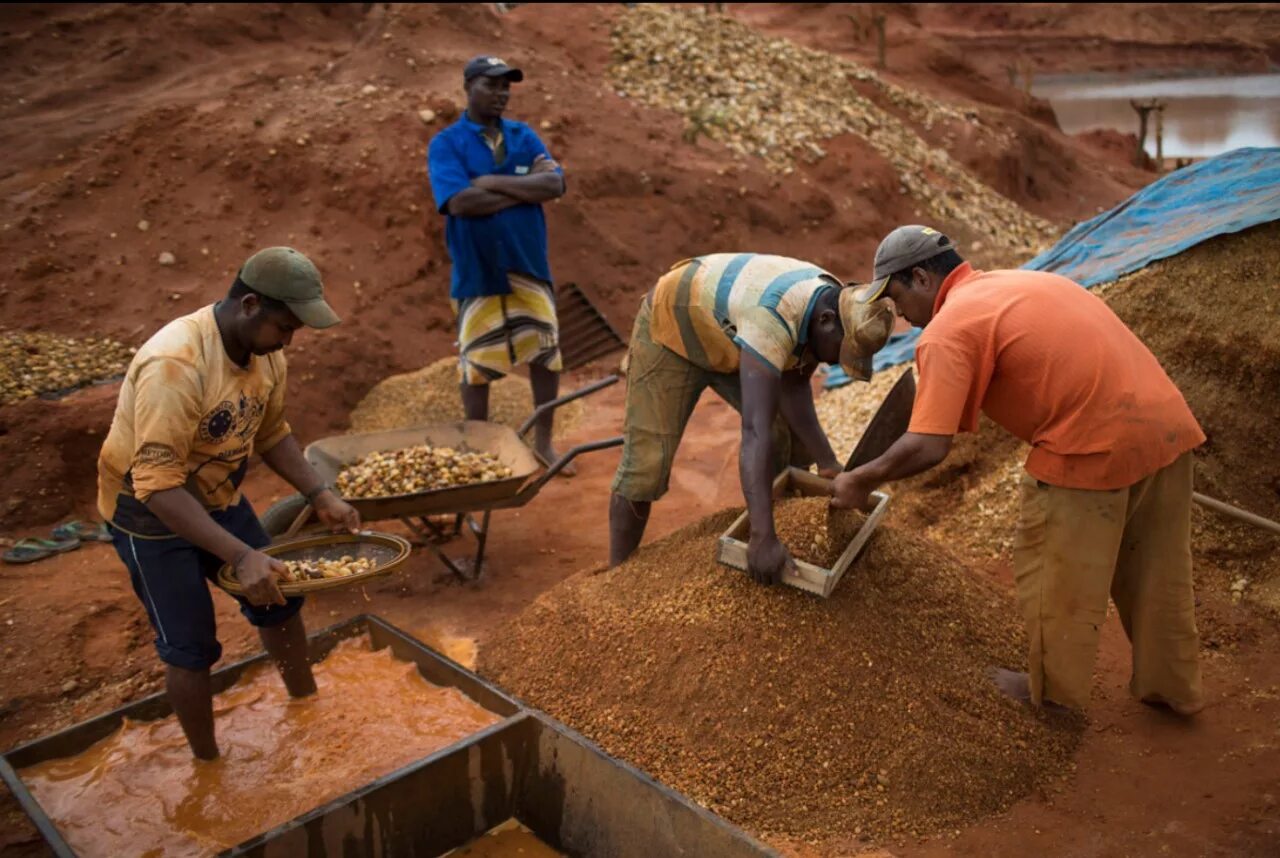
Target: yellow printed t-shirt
pixel 707 309
pixel 187 416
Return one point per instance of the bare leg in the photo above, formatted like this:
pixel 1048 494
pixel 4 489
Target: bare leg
pixel 546 387
pixel 627 520
pixel 475 401
pixel 287 646
pixel 191 697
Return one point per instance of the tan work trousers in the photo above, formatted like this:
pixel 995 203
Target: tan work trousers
pixel 1073 548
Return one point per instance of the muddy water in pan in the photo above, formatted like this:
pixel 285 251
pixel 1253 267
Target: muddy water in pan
pixel 139 791
pixel 508 840
pixel 1203 116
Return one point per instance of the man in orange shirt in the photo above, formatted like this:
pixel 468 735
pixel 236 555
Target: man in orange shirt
pixel 1106 498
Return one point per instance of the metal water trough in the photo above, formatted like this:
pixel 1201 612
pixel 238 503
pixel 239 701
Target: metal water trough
pixel 571 794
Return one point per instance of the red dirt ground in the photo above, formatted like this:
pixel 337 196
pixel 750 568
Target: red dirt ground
pixel 190 117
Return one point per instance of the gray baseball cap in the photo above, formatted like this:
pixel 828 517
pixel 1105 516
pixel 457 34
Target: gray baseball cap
pixel 286 275
pixel 904 247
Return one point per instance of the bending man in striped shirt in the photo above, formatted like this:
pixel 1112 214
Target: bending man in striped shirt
pixel 753 328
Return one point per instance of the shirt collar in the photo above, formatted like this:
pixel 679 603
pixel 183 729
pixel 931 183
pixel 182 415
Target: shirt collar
pixel 962 272
pixel 465 121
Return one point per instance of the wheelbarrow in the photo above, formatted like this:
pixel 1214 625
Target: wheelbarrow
pixel 463 503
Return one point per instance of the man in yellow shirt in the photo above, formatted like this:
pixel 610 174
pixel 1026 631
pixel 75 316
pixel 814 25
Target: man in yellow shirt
pixel 200 397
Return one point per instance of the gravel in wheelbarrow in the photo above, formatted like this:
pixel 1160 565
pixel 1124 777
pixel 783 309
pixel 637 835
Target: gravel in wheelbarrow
pixel 366 554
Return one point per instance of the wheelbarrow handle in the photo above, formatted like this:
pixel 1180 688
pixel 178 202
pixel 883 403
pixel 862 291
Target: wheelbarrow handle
pixel 304 516
pixel 558 465
pixel 568 397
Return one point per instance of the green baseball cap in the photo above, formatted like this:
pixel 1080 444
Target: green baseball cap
pixel 286 275
pixel 901 249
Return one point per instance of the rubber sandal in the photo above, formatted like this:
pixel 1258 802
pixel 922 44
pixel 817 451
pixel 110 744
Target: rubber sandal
pixel 32 549
pixel 84 531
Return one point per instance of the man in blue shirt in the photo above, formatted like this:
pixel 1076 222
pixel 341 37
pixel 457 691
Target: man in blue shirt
pixel 490 177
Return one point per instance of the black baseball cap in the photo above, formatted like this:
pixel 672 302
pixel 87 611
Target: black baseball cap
pixel 490 67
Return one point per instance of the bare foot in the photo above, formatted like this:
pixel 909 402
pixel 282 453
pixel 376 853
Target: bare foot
pixel 1011 683
pixel 1186 710
pixel 1018 686
pixel 549 456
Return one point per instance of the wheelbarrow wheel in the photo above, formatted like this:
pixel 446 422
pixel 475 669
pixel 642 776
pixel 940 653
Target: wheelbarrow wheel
pixel 281 515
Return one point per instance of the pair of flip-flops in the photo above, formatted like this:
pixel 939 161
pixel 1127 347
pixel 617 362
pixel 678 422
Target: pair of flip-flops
pixel 66 537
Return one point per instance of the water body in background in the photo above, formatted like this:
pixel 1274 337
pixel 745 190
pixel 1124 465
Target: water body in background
pixel 1203 116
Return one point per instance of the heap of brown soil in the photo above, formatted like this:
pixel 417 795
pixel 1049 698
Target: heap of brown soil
pixel 867 713
pixel 814 532
pixel 50 449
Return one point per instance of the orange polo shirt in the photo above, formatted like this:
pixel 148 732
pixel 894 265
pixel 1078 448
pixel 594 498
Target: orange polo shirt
pixel 1050 362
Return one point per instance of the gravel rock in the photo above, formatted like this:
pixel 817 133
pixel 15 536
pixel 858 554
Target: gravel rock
pixel 778 101
pixel 35 362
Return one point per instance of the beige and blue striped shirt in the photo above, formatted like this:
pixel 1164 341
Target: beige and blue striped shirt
pixel 709 308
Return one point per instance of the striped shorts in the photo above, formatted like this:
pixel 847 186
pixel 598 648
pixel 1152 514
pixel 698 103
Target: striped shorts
pixel 499 332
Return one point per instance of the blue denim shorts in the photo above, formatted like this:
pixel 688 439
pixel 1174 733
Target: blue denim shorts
pixel 171 577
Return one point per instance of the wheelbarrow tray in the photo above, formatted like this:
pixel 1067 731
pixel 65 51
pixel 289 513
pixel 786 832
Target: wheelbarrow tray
pixel 329 455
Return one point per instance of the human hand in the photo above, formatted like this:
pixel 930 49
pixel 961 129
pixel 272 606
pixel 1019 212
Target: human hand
pixel 258 574
pixel 850 491
pixel 335 513
pixel 543 164
pixel 767 560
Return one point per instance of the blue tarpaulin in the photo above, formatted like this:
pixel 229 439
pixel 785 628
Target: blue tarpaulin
pixel 1225 194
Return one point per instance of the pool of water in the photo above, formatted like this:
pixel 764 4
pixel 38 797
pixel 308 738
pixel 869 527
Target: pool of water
pixel 1203 116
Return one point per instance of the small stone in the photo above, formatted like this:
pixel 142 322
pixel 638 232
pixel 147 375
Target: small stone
pixel 545 125
pixel 427 115
pixel 143 225
pixel 69 686
pixel 167 258
pixel 368 89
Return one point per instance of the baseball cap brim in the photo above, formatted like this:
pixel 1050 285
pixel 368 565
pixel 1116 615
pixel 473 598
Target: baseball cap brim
pixel 855 366
pixel 315 313
pixel 855 352
pixel 874 290
pixel 515 75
